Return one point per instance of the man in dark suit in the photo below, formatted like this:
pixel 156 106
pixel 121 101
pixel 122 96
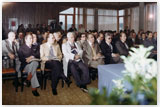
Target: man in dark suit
pixel 72 28
pixel 133 40
pixel 121 45
pixel 100 38
pixel 35 46
pixel 150 42
pixel 107 50
pixel 26 56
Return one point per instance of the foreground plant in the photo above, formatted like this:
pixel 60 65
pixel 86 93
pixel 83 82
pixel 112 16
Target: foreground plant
pixel 141 73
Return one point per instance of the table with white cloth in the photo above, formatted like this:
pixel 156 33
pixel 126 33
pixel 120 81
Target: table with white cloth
pixel 110 72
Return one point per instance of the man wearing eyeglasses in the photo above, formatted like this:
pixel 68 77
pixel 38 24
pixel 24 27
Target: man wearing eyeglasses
pixel 82 40
pixel 107 50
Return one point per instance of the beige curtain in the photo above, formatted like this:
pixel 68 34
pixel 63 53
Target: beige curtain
pixel 151 17
pixel 107 19
pixel 90 19
pixel 135 19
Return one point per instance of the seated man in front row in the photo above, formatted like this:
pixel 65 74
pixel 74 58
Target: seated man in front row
pixel 92 53
pixel 107 50
pixel 26 56
pixel 9 52
pixel 73 59
pixel 121 45
pixel 51 56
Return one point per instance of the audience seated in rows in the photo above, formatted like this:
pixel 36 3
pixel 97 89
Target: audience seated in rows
pixel 78 50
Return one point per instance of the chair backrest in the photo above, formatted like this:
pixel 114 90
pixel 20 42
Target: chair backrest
pixel 8 70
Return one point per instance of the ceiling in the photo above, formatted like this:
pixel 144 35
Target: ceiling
pixel 101 5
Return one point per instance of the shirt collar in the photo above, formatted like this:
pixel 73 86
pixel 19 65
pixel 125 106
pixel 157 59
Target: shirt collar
pixel 70 43
pixel 35 43
pixel 90 43
pixel 10 41
pixel 48 44
pixel 28 46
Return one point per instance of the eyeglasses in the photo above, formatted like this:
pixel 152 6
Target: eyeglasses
pixel 109 38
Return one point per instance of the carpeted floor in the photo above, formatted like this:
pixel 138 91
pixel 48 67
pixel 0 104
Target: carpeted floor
pixel 66 96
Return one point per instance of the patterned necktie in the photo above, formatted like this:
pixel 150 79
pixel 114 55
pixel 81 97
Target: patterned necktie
pixel 73 49
pixel 93 50
pixel 51 51
pixel 111 47
pixel 14 51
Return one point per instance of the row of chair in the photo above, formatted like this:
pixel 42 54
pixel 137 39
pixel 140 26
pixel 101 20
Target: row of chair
pixel 43 76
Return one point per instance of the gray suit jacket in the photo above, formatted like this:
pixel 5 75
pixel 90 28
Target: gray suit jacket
pixel 7 48
pixel 88 54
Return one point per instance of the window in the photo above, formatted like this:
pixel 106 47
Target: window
pixel 79 17
pixel 135 19
pixel 66 17
pixel 107 19
pixel 90 12
pixel 121 23
pixel 62 19
pixel 121 12
pixel 90 22
pixel 67 11
pixel 69 21
pixel 90 19
pixel 107 12
pixel 151 17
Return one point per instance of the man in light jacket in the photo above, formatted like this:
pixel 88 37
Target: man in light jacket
pixel 73 59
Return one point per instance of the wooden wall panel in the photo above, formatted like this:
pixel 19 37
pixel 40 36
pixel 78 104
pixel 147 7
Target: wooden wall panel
pixel 28 13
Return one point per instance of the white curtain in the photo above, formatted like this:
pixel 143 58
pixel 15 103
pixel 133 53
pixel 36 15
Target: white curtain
pixel 135 19
pixel 90 19
pixel 151 17
pixel 90 22
pixel 107 19
pixel 107 23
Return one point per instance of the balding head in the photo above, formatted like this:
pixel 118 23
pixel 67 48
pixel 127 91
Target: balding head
pixel 11 36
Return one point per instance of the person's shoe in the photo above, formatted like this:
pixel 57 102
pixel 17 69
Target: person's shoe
pixel 35 93
pixel 68 82
pixel 54 91
pixel 62 83
pixel 27 83
pixel 84 89
pixel 16 83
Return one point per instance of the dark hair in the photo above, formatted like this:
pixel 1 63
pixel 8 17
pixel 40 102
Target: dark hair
pixel 121 34
pixel 100 34
pixel 82 34
pixel 28 36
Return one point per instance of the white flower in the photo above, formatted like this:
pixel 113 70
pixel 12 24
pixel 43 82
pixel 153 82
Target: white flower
pixel 118 83
pixel 139 64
